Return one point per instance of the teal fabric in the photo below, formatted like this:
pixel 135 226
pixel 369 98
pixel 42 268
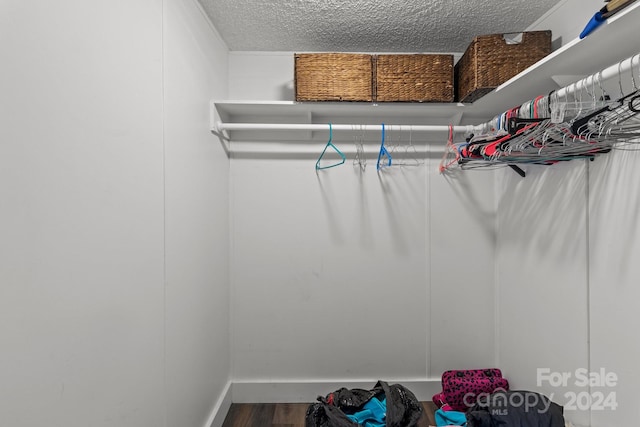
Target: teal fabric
pixel 373 413
pixel 450 418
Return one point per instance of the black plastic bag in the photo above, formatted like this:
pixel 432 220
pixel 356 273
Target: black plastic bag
pixel 403 409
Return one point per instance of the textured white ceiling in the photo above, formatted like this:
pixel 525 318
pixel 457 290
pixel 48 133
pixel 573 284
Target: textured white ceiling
pixel 367 25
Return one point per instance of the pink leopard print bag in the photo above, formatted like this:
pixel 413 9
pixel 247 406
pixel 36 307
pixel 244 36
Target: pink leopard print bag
pixel 460 389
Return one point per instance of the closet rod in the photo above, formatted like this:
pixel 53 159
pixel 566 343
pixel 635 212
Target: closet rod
pixel 355 127
pixel 614 71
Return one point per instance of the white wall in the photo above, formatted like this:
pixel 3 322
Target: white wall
pixel 81 182
pixel 328 272
pixel 100 262
pixel 613 282
pixel 345 276
pixel 542 276
pixel 462 224
pixel 197 217
pixel 567 283
pixel 261 76
pixel 341 275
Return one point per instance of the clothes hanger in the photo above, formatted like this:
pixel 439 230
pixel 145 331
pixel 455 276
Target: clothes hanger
pixel 451 150
pixel 334 148
pixel 579 125
pixel 360 159
pixel 412 152
pixel 404 153
pixel 618 122
pixel 382 154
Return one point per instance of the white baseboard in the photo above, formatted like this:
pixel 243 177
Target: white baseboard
pixel 308 391
pixel 221 408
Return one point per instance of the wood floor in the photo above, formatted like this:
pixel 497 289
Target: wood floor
pixel 289 415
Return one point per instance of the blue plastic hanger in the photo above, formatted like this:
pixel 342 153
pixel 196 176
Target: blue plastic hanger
pixel 383 153
pixel 330 144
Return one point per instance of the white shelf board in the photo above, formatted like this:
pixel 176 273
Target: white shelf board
pixel 241 109
pixel 328 112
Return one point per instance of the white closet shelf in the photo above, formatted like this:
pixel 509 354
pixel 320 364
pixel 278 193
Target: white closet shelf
pixel 615 40
pixel 322 113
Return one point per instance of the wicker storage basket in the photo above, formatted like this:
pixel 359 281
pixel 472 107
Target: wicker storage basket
pixel 333 77
pixel 413 78
pixel 491 60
